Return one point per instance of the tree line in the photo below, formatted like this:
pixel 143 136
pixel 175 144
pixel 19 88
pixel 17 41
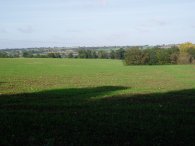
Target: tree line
pixel 80 53
pixel 102 54
pixel 182 54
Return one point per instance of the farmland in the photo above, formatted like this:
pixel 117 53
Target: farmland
pixel 95 102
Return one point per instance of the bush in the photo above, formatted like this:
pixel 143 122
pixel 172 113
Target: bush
pixel 174 58
pixel 135 56
pixel 54 55
pixel 185 58
pixel 152 56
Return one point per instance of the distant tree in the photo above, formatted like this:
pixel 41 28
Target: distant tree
pixel 185 47
pixel 70 55
pixel 174 49
pixel 94 54
pixel 152 56
pixel 40 56
pixel 120 54
pixel 4 55
pixel 185 58
pixel 87 54
pixel 51 55
pixel 186 53
pixel 191 51
pixel 27 54
pixel 102 54
pixel 174 57
pixel 163 56
pixel 112 54
pixel 145 57
pixel 54 55
pixel 16 55
pixel 133 56
pixel 82 54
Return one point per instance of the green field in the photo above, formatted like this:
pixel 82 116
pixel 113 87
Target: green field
pixel 95 102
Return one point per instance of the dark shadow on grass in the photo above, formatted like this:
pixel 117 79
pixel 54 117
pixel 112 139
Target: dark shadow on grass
pixel 56 100
pixel 73 117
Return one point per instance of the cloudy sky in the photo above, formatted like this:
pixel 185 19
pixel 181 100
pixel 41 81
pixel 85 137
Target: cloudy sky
pixel 38 23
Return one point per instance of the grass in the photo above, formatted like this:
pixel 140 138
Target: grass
pixel 95 102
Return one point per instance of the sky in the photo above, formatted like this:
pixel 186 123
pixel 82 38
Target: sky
pixel 57 23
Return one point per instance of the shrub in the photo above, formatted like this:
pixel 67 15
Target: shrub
pixel 135 56
pixel 185 58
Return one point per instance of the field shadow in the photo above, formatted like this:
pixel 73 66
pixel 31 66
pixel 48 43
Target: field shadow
pixel 56 99
pixel 74 117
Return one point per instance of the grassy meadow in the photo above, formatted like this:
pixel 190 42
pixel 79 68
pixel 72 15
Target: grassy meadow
pixel 95 102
